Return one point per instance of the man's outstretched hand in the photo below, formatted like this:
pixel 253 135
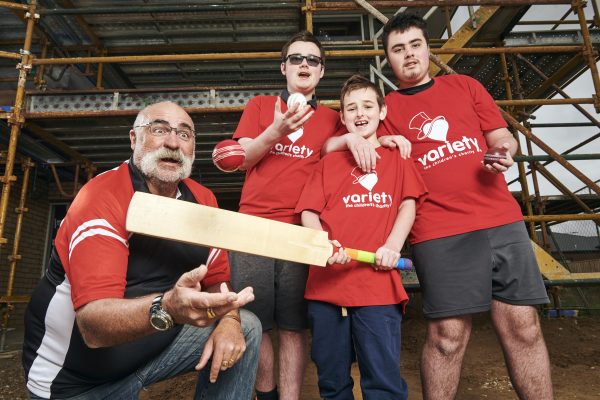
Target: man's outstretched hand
pixel 187 304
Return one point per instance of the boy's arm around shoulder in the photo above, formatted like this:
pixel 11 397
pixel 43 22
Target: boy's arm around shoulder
pixel 363 152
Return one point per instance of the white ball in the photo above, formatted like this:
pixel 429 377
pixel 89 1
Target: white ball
pixel 296 98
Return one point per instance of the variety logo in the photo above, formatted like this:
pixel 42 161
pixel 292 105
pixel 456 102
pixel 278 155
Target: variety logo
pixel 295 135
pixel 437 129
pixel 292 150
pixel 434 129
pixel 367 181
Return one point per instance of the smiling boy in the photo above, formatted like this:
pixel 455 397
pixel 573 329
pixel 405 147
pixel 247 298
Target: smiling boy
pixel 355 309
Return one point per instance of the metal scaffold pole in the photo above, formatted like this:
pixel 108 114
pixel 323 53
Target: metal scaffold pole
pixel 9 299
pixel 16 119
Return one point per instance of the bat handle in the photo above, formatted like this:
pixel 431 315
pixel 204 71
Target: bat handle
pixel 404 264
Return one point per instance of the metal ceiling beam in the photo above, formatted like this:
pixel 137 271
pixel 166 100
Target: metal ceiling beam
pixel 239 108
pixel 561 74
pixel 549 38
pixel 53 141
pixel 169 8
pixel 14 6
pixel 45 38
pixel 346 6
pixel 464 35
pixel 187 47
pixel 7 54
pixel 540 73
pixel 85 26
pixel 99 46
pixel 277 55
pixel 42 36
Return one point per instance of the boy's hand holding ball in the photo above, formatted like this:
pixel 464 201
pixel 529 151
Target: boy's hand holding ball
pixel 296 98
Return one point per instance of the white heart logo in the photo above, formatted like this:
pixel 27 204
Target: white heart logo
pixel 436 129
pixel 368 181
pixel 295 135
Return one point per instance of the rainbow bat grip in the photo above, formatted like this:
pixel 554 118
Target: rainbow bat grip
pixel 404 264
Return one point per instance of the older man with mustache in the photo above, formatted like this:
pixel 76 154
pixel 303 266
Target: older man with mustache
pixel 115 312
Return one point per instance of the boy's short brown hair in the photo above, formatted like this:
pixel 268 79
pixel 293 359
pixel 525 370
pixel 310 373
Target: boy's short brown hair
pixel 402 22
pixel 303 36
pixel 356 82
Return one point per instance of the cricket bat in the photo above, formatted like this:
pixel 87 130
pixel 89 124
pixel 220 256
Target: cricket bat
pixel 197 224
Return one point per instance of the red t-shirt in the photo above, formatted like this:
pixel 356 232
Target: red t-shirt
pixel 274 184
pixel 358 210
pixel 445 124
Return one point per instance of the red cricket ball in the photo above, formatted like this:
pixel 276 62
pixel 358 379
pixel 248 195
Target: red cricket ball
pixel 228 155
pixel 494 155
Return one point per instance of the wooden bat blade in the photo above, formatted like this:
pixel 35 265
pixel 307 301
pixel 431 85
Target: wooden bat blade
pixel 192 223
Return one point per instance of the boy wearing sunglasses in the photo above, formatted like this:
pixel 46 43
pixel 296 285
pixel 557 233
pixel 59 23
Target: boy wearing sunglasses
pixel 282 146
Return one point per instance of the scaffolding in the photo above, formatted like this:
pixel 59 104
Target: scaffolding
pixel 32 107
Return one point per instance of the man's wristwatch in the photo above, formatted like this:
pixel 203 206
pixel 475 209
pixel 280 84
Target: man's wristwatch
pixel 160 319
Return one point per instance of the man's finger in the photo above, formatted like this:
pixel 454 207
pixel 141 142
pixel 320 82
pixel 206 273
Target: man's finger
pixel 191 279
pixel 206 353
pixel 223 288
pixel 215 367
pixel 245 296
pixel 205 299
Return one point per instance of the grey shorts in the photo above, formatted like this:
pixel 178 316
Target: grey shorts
pixel 278 289
pixel 461 274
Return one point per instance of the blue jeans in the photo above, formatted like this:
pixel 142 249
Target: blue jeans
pixel 370 334
pixel 236 383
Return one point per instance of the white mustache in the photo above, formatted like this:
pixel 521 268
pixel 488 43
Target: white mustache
pixel 163 152
pixel 149 164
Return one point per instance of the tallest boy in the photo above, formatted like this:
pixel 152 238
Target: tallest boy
pixel 471 250
pixel 282 147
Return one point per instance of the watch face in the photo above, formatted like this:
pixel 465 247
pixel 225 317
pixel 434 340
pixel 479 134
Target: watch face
pixel 159 323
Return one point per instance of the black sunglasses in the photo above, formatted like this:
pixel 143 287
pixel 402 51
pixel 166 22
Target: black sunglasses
pixel 312 60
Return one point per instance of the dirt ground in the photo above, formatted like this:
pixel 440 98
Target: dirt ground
pixel 573 343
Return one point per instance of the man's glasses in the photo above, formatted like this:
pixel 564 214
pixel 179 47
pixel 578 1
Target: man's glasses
pixel 159 129
pixel 312 60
